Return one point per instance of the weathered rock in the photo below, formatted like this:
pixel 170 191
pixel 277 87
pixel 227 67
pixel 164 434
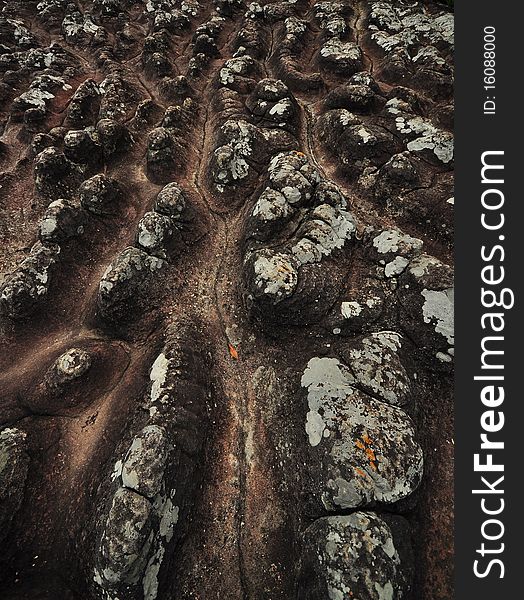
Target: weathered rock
pixel 154 233
pixel 362 451
pixel 344 58
pixel 287 283
pixel 80 148
pixel 68 367
pixel 426 296
pixel 85 104
pixel 421 135
pixel 123 287
pixel 53 173
pixel 14 463
pixel 144 464
pixel 394 249
pixel 99 194
pixel 417 42
pixel 360 555
pixel 237 72
pixel 400 172
pixel 28 285
pixel 358 144
pixel 112 136
pixel 163 154
pixel 62 221
pixel 354 97
pixel 157 475
pixel 376 366
pixel 124 545
pixel 171 201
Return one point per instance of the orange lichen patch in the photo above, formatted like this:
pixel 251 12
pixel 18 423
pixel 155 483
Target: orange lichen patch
pixel 366 438
pixel 359 472
pixel 365 445
pixel 298 153
pixel 233 352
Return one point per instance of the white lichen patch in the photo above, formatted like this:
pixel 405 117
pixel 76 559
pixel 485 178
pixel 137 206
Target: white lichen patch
pixel 323 377
pixel 150 579
pixel 231 163
pixel 426 137
pixel 275 275
pixel 408 26
pixel 168 519
pixel 72 364
pixel 233 67
pixel 375 364
pixel 438 309
pixel 396 266
pixel 395 242
pixel 157 376
pixel 350 309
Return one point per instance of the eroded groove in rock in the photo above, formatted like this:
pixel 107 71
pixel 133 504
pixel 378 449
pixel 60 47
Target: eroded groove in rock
pixel 226 319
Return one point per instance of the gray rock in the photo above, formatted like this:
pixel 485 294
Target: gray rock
pixel 344 58
pixel 80 148
pixel 154 232
pixel 286 282
pixel 69 366
pixel 161 153
pixel 363 451
pixel 230 161
pixel 124 545
pixel 376 366
pixel 29 284
pixel 124 284
pixel 14 463
pixel 393 249
pixel 359 556
pixel 112 136
pixel 171 201
pixel 157 474
pixel 354 97
pixel 84 104
pixel 399 173
pixel 236 69
pixel 331 16
pixel 62 221
pixel 144 463
pixel 99 194
pixel 426 296
pixel 52 173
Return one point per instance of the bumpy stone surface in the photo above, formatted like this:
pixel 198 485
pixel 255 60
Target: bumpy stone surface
pixel 124 283
pixel 68 367
pixel 285 283
pixel 154 232
pixel 226 299
pixel 155 478
pixel 99 194
pixel 355 556
pixel 62 221
pixel 14 463
pixel 29 283
pixel 363 452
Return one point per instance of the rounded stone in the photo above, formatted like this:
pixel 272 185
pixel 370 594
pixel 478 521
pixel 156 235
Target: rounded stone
pixel 360 555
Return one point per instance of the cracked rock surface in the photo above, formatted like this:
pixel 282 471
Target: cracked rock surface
pixel 226 300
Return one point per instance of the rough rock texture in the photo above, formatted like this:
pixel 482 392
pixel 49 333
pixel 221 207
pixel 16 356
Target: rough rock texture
pixel 359 555
pixel 226 299
pixel 14 463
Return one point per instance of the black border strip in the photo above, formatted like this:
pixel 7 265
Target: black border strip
pixel 476 133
